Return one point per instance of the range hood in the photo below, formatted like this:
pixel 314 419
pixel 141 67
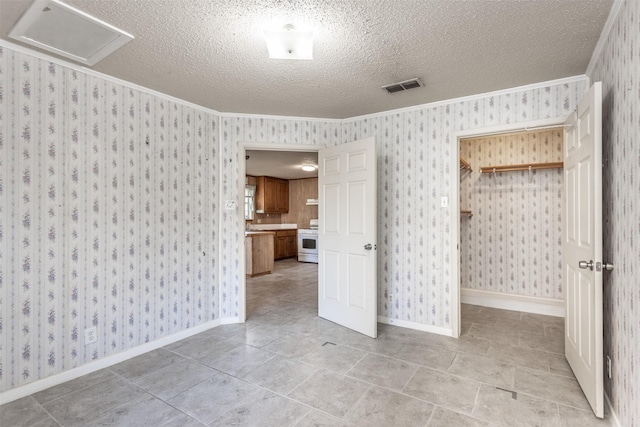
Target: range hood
pixel 312 202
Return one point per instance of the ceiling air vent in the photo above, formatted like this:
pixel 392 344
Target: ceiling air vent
pixel 405 85
pixel 59 28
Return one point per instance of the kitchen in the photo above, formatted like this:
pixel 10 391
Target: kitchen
pixel 281 209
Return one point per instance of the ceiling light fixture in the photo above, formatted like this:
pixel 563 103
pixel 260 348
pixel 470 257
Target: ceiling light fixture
pixel 308 168
pixel 288 43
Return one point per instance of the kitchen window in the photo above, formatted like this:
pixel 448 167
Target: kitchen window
pixel 249 198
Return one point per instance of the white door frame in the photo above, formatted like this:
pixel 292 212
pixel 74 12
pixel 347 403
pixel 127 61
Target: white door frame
pixel 243 146
pixel 454 203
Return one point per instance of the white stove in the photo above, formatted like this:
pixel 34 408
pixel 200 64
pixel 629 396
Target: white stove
pixel 308 243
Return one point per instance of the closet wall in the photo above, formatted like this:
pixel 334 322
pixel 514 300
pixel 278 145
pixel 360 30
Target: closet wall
pixel 512 242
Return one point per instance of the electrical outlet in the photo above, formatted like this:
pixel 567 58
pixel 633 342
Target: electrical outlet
pixel 609 366
pixel 444 202
pixel 230 205
pixel 90 336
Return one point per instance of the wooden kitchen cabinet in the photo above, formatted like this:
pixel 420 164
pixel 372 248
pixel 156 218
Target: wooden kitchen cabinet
pixel 285 243
pixel 259 253
pixel 272 195
pixel 291 246
pixel 282 199
pixel 280 247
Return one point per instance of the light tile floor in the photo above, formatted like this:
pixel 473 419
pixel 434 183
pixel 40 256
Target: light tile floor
pixel 287 367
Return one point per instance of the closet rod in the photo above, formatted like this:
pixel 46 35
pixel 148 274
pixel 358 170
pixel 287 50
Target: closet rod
pixel 523 167
pixel 464 164
pixel 521 130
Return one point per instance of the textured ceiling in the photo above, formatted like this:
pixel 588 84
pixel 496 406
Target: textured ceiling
pixel 281 164
pixel 212 53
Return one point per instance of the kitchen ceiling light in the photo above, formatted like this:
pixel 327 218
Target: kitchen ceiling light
pixel 287 43
pixel 308 168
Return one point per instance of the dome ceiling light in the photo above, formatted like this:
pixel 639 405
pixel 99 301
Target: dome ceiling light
pixel 289 43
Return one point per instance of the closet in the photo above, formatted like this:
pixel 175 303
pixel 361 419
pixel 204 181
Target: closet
pixel 465 168
pixel 511 215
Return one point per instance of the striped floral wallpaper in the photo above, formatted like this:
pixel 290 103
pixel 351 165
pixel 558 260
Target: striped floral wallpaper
pixel 414 159
pixel 512 243
pixel 108 217
pixel 618 67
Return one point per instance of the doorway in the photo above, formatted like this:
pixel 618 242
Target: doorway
pixel 243 148
pixel 492 284
pixel 347 261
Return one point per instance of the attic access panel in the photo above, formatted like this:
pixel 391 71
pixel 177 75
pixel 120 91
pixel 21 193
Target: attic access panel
pixel 59 28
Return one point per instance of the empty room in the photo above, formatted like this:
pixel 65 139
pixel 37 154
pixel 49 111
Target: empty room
pixel 319 212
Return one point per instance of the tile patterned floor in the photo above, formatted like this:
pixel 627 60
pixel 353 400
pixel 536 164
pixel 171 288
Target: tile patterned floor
pixel 287 367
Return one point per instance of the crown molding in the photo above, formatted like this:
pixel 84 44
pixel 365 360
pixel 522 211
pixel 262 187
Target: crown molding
pixel 107 77
pixel 222 115
pixel 532 86
pixel 269 117
pixel 604 35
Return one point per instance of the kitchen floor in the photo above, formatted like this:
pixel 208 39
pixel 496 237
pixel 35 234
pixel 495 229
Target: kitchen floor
pixel 287 367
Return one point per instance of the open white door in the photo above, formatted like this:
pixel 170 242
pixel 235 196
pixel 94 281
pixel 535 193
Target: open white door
pixel 582 246
pixel 347 281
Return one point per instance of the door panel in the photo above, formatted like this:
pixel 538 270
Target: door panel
pixel 586 189
pixel 331 286
pixel 582 243
pixel 331 208
pixel 357 161
pixel 347 287
pixel 357 265
pixel 571 277
pixel 357 208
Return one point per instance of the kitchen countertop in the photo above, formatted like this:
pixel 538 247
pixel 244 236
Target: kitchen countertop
pixel 271 227
pixel 250 233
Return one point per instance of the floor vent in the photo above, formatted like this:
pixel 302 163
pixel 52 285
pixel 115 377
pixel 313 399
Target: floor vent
pixel 405 85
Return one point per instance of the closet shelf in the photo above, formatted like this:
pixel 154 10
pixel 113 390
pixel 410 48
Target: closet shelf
pixel 466 212
pixel 522 167
pixel 464 164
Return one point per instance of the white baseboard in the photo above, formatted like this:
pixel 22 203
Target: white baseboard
pixel 537 305
pixel 105 362
pixel 230 320
pixel 613 417
pixel 417 326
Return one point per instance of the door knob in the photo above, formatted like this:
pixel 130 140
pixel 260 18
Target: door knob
pixel 585 264
pixel 607 266
pixel 368 246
